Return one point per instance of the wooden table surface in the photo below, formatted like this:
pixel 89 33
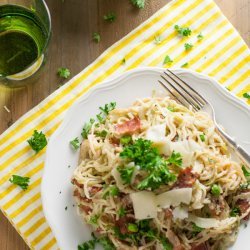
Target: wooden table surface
pixel 71 46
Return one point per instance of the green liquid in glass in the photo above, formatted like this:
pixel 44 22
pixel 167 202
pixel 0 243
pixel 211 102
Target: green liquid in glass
pixel 22 38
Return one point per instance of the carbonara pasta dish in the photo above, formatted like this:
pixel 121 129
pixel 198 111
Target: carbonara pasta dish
pixel 158 176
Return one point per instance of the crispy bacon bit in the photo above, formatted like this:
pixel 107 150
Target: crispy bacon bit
pixel 202 246
pixel 78 195
pixel 93 190
pixel 123 222
pixel 186 178
pixel 86 209
pixel 168 213
pixel 243 205
pixel 114 141
pixel 75 182
pixel 216 206
pixel 174 240
pixel 129 127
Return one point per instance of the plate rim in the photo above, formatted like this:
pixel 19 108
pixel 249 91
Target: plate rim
pixel 113 82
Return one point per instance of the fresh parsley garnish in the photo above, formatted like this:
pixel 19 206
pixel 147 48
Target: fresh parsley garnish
pixel 132 227
pixel 200 37
pixel 94 219
pixel 126 139
pixel 245 172
pixel 183 31
pixel 102 133
pixel 63 72
pixel 246 95
pixel 244 186
pixel 215 190
pixel 188 46
pixel 158 39
pixel 88 245
pixel 86 128
pixel 143 154
pixel 111 191
pixel 123 60
pixel 138 3
pixel 38 141
pixel 96 37
pixel 196 229
pixel 167 60
pixel 235 212
pixel 166 244
pixel 175 159
pixel 184 65
pixel 202 137
pixel 22 182
pixel 110 17
pixel 172 109
pixel 126 174
pixel 75 143
pixel 121 212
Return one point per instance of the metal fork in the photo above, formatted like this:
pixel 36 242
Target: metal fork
pixel 187 96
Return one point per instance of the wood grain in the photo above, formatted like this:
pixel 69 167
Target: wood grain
pixel 73 22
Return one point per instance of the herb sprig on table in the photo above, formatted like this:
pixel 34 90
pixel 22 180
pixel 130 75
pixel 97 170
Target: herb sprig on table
pixel 22 182
pixel 38 141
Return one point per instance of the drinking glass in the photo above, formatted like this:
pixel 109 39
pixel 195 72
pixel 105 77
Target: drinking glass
pixel 25 30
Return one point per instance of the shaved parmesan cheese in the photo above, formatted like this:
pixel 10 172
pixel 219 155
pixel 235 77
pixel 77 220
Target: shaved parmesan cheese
pixel 198 167
pixel 144 204
pixel 174 197
pixel 187 149
pixel 211 222
pixel 180 213
pixel 156 133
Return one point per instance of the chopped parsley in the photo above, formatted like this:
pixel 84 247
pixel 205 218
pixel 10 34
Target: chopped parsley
pixel 245 172
pixel 246 95
pixel 126 139
pixel 196 229
pixel 143 154
pixel 102 134
pixel 111 191
pixel 200 37
pixel 86 128
pixel 166 244
pixel 171 109
pixel 132 227
pixel 121 212
pixel 167 60
pixel 96 37
pixel 63 72
pixel 158 39
pixel 202 137
pixel 75 143
pixel 183 31
pixel 175 159
pixel 110 17
pixel 215 190
pixel 138 3
pixel 126 174
pixel 244 186
pixel 184 65
pixel 22 182
pixel 188 46
pixel 235 212
pixel 94 219
pixel 38 141
pixel 88 245
pixel 124 60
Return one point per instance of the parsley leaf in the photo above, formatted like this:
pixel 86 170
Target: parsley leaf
pixel 167 60
pixel 124 60
pixel 200 37
pixel 183 31
pixel 105 111
pixel 196 229
pixel 111 191
pixel 38 141
pixel 245 172
pixel 202 137
pixel 101 134
pixel 86 128
pixel 88 245
pixel 106 243
pixel 172 109
pixel 110 17
pixel 75 143
pixel 138 3
pixel 184 65
pixel 215 190
pixel 158 39
pixel 126 174
pixel 96 37
pixel 175 158
pixel 234 212
pixel 188 46
pixel 63 72
pixel 22 182
pixel 94 219
pixel 166 244
pixel 126 139
pixel 246 95
pixel 121 212
pixel 148 158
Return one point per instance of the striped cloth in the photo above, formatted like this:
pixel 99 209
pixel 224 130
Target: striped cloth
pixel 221 54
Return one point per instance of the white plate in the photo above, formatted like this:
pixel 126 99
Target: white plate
pixel 69 230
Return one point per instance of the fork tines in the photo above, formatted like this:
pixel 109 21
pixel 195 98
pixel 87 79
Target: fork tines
pixel 181 91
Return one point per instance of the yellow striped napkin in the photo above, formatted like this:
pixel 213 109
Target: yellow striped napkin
pixel 222 54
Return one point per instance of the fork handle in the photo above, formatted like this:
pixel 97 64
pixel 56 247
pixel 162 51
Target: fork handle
pixel 241 152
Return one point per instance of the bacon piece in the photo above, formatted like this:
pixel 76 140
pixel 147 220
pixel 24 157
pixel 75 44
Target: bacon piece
pixel 186 178
pixel 129 127
pixel 216 206
pixel 85 208
pixel 168 213
pixel 114 141
pixel 93 190
pixel 243 205
pixel 123 222
pixel 75 182
pixel 202 246
pixel 174 240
